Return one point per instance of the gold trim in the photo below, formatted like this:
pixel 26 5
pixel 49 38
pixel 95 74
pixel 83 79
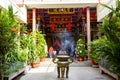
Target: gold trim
pixel 61 19
pixel 61 11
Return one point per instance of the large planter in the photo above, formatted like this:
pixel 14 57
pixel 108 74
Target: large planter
pixel 104 70
pixel 104 67
pixel 15 74
pixel 13 70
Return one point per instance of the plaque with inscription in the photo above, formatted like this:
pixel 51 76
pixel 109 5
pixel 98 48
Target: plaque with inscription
pixel 61 11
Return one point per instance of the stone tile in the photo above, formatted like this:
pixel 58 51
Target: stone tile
pixel 77 71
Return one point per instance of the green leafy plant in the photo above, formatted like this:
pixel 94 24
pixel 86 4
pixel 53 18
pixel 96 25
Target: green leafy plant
pixel 96 46
pixel 111 29
pixel 29 45
pixel 8 36
pixel 80 48
pixel 40 44
pixel 13 68
pixel 9 39
pixel 33 44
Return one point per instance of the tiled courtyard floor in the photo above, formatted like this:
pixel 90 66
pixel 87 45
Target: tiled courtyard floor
pixel 77 71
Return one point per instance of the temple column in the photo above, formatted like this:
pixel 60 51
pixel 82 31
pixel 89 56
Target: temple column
pixel 33 19
pixel 88 29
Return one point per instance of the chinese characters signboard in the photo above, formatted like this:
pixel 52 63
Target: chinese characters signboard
pixel 61 11
pixel 60 19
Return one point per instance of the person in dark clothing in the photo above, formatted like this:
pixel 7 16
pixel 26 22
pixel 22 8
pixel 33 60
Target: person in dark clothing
pixel 57 45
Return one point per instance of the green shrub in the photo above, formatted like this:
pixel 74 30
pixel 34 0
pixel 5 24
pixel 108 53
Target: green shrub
pixel 80 48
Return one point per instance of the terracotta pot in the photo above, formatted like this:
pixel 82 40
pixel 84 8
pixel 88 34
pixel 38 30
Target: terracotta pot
pixel 42 59
pixel 80 59
pixel 93 62
pixel 35 65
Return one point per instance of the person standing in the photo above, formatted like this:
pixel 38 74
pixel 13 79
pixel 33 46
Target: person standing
pixel 51 53
pixel 73 48
pixel 57 45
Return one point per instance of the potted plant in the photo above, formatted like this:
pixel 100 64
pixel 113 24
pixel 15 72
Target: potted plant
pixel 40 45
pixel 111 29
pixel 80 49
pixel 29 44
pixel 9 42
pixel 95 52
pixel 109 48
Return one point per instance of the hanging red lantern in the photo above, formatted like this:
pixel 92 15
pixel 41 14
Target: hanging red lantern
pixel 69 26
pixel 52 27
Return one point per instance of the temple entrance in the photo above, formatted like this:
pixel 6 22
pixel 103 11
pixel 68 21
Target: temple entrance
pixel 64 25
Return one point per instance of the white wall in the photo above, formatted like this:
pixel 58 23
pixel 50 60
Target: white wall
pixel 59 1
pixel 102 11
pixel 21 13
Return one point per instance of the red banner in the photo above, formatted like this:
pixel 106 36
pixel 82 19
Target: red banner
pixel 60 19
